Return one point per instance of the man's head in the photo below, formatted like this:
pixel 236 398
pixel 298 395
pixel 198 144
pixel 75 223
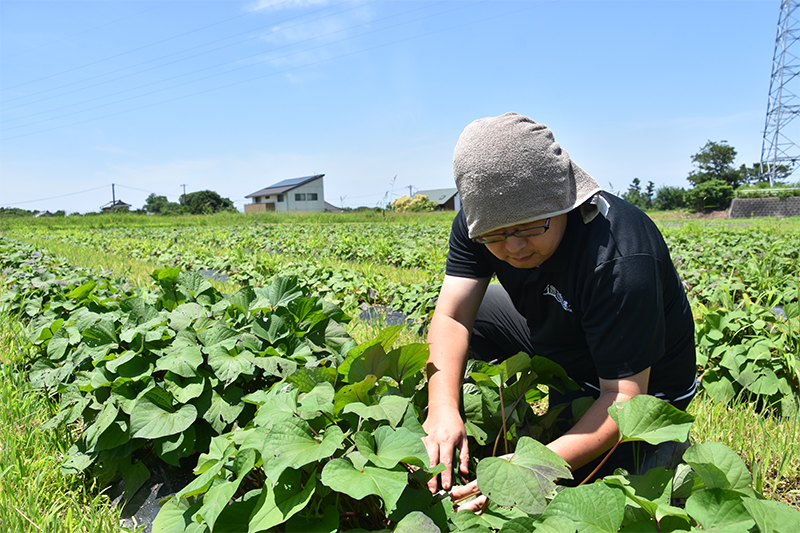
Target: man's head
pixel 509 170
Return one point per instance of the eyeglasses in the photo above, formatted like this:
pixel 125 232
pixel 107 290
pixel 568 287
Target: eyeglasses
pixel 520 234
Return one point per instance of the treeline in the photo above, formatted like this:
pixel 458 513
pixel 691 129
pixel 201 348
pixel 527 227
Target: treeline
pixel 715 181
pixel 193 203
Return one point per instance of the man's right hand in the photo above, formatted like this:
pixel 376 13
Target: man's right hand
pixel 446 433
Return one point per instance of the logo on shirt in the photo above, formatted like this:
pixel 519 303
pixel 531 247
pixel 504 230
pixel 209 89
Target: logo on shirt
pixel 552 291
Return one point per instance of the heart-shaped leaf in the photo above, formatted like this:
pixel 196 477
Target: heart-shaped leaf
pixel 342 476
pixel 595 508
pixel 646 418
pixel 719 467
pixel 292 444
pixel 718 509
pixel 524 480
pixel 279 503
pixel 154 416
pixel 389 408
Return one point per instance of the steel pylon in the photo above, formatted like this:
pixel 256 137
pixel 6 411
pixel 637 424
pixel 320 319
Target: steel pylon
pixel 783 106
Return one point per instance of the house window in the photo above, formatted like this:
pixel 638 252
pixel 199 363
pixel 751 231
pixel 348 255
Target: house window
pixel 312 196
pixel 299 197
pixel 280 197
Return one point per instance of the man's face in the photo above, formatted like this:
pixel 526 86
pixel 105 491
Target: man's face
pixel 529 252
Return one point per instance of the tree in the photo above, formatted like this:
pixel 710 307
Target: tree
pixel 206 203
pixel 753 176
pixel 714 161
pixel 634 194
pixel 160 204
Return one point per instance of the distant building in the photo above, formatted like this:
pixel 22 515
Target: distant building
pixel 116 204
pixel 296 194
pixel 448 199
pixel 43 214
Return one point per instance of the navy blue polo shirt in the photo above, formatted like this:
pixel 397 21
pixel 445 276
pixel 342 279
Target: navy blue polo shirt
pixel 608 303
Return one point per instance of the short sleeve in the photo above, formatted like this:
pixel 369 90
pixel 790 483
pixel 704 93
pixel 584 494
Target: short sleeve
pixel 465 258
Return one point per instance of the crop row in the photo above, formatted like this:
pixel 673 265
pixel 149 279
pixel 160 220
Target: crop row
pixel 754 260
pixel 407 246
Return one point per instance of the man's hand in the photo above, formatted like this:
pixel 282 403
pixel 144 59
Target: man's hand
pixel 476 505
pixel 446 433
pixel 464 492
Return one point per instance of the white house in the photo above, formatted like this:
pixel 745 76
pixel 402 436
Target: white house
pixel 296 194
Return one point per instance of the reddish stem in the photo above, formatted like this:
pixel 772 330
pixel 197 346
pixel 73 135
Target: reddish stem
pixel 601 463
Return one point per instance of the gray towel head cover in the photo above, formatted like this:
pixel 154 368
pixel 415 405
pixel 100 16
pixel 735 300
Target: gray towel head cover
pixel 509 170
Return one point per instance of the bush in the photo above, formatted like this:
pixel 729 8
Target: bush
pixel 763 190
pixel 417 204
pixel 711 194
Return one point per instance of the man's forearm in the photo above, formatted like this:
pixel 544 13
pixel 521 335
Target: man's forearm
pixel 449 343
pixel 595 433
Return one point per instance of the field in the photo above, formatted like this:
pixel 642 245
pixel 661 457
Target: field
pixel 211 342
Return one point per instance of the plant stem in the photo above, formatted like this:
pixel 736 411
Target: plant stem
pixel 513 408
pixel 601 463
pixel 503 414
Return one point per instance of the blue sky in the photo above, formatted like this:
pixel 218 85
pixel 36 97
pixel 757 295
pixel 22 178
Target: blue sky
pixel 234 96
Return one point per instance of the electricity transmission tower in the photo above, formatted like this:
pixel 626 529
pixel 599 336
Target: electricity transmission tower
pixel 777 148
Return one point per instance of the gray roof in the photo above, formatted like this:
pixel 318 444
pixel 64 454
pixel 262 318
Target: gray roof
pixel 332 208
pixel 283 186
pixel 115 203
pixel 439 196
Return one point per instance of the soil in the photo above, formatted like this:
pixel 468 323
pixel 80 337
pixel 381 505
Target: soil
pixel 711 215
pixel 665 216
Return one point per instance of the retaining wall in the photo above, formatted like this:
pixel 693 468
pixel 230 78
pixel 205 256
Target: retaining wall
pixel 765 207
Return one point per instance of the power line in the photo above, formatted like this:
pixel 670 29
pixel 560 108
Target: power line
pixel 131 51
pixel 166 56
pixel 238 60
pixel 57 197
pixel 383 45
pixel 86 31
pixel 89 190
pixel 142 190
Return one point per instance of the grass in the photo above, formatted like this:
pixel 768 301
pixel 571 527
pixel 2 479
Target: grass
pixel 34 496
pixel 137 272
pixel 768 444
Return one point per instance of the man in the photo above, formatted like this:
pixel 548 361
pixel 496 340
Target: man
pixel 586 280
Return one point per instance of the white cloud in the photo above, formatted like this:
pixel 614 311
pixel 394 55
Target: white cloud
pixel 299 42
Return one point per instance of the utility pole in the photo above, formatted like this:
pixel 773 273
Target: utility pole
pixel 777 148
pixel 410 193
pixel 113 197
